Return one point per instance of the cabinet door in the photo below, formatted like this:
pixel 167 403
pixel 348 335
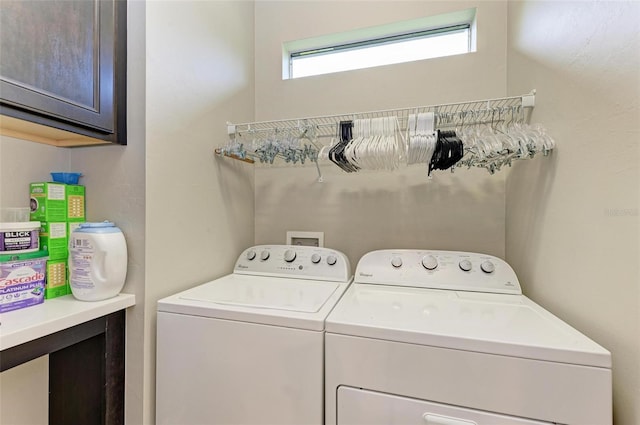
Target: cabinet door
pixel 60 62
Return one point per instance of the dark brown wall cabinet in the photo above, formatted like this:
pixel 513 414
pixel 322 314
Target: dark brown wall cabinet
pixel 63 65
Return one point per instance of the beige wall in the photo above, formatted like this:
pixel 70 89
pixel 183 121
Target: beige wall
pixel 185 213
pixel 368 211
pixel 19 388
pixel 572 219
pixel 191 69
pixel 22 163
pixel 115 180
pixel 199 208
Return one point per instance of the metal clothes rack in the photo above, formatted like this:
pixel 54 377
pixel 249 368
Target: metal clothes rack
pixel 447 116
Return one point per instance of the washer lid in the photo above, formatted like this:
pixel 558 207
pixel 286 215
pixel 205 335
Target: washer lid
pixel 510 325
pixel 259 299
pixel 270 293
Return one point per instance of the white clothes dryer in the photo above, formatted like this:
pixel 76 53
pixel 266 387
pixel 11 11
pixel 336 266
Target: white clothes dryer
pixel 248 348
pixel 447 338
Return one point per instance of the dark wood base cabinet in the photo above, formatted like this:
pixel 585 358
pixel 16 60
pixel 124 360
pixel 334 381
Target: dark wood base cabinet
pixel 86 370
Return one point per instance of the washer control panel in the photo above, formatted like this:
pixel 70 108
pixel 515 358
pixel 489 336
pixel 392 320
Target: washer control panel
pixel 461 271
pixel 303 262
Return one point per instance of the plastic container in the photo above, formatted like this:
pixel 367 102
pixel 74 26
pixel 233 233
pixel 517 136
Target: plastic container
pixel 97 261
pixel 22 280
pixel 19 238
pixel 14 215
pixel 67 178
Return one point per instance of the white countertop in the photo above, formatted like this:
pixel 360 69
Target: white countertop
pixel 27 324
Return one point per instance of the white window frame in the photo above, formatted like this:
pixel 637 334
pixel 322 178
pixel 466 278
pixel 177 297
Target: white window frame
pixel 415 29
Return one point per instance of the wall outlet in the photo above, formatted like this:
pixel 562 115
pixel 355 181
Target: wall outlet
pixel 305 238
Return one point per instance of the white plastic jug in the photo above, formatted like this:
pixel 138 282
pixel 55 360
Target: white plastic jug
pixel 97 261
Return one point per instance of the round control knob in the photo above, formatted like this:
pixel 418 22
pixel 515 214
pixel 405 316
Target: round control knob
pixel 429 262
pixel 465 265
pixel 264 255
pixel 396 262
pixel 315 258
pixel 289 255
pixel 251 255
pixel 331 260
pixel 487 266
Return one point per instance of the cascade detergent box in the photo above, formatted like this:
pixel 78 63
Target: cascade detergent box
pixel 22 280
pixel 55 239
pixel 57 283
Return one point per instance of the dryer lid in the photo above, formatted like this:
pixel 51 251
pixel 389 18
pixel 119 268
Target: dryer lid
pixel 502 324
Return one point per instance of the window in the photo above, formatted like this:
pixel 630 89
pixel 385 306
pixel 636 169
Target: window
pixel 380 47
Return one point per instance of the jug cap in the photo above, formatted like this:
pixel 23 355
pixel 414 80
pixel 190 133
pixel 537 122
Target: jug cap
pixel 98 227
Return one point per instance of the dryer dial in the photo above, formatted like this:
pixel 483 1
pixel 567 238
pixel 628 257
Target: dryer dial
pixel 315 258
pixel 251 255
pixel 289 255
pixel 331 260
pixel 487 266
pixel 264 255
pixel 465 265
pixel 396 262
pixel 429 262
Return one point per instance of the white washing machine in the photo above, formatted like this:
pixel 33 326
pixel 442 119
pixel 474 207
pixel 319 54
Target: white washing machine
pixel 447 338
pixel 248 348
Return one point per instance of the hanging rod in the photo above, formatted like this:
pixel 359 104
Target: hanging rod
pixel 296 140
pixel 447 115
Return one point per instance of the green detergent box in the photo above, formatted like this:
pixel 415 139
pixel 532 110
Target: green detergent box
pixel 48 202
pixel 57 283
pixel 71 226
pixel 75 196
pixel 55 239
pixel 55 202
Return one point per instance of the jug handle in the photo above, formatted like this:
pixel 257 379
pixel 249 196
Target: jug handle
pixel 98 272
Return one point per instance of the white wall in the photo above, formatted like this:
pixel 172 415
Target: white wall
pixel 199 208
pixel 368 211
pixel 572 219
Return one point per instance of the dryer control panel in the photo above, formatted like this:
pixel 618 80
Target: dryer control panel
pixel 293 261
pixel 454 270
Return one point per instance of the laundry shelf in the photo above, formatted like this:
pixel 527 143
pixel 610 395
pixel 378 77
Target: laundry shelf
pixel 447 116
pixel 488 133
